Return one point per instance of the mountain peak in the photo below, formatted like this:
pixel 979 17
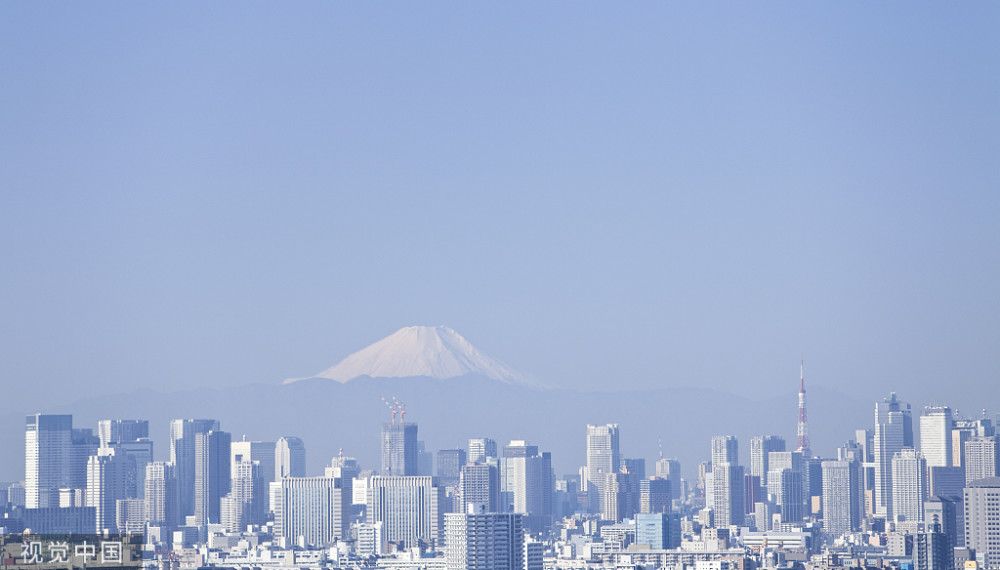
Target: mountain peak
pixel 436 352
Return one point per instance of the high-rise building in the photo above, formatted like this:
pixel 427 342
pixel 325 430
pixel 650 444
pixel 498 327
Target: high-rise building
pixel 263 452
pixel 212 476
pixel 289 458
pixel 893 432
pixel 47 457
pixel 603 455
pixel 481 449
pixel 182 456
pixel 247 501
pixel 725 449
pixel 982 454
pixel 931 550
pixel 785 484
pixel 670 469
pixel 843 502
pixel 982 511
pixel 449 466
pixel 162 503
pixel 527 479
pixel 479 540
pixel 409 508
pixel 107 473
pixel 760 447
pixel 618 500
pixel 943 511
pixel 909 485
pixel 935 436
pixel 654 496
pixel 119 431
pixel 399 450
pixel 728 486
pixel 315 509
pixel 659 530
pixel 480 484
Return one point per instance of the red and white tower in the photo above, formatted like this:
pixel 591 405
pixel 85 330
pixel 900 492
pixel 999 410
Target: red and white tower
pixel 803 431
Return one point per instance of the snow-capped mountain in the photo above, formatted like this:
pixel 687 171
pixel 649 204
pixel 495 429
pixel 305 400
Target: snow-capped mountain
pixel 435 352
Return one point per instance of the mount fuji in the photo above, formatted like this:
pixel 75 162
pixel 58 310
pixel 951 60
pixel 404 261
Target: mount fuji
pixel 420 351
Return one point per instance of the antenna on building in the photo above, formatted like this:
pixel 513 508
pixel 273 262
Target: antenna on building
pixel 659 441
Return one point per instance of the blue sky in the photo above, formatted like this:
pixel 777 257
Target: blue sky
pixel 655 194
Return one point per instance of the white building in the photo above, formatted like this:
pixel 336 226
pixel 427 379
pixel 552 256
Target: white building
pixel 477 540
pixel 935 436
pixel 317 509
pixel 909 485
pixel 603 456
pixel 409 508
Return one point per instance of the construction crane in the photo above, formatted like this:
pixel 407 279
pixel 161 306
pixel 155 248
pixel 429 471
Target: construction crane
pixel 401 407
pixel 393 409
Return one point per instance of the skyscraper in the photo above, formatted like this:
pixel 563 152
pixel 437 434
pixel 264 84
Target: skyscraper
pixel 603 456
pixel 409 508
pixel 527 479
pixel 399 449
pixel 728 486
pixel 893 432
pixel 162 501
pixel 909 485
pixel 449 466
pixel 935 436
pixel 212 476
pixel 843 502
pixel 118 431
pixel 182 456
pixel 106 483
pixel 47 456
pixel 246 503
pixel 982 511
pixel 289 458
pixel 481 449
pixel 317 509
pixel 981 458
pixel 725 449
pixel 479 540
pixel 760 447
pixel 263 452
pixel 480 484
pixel 654 496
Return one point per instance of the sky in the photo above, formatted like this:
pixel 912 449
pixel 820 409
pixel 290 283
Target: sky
pixel 605 196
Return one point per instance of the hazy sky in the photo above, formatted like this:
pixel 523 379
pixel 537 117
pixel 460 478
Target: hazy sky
pixel 601 194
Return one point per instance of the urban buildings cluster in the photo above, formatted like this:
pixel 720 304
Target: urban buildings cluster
pixel 884 499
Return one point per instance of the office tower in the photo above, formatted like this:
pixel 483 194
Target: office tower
pixel 315 509
pixel 943 511
pixel 479 540
pixel 670 469
pixel 962 430
pixel 786 487
pixel 47 452
pixel 802 431
pixel 130 515
pixel 118 431
pixel 399 450
pixel 527 478
pixel 481 449
pixel 409 508
pixel 449 466
pixel 981 456
pixel 909 485
pixel 106 482
pixel 982 510
pixel 289 458
pixel 636 466
pixel 659 530
pixel 760 447
pixel 725 449
pixel 935 436
pixel 654 496
pixel 603 456
pixel 931 550
pixel 162 502
pixel 425 460
pixel 617 498
pixel 479 483
pixel 247 501
pixel 843 502
pixel 946 481
pixel 212 476
pixel 893 432
pixel 729 503
pixel 263 452
pixel 182 456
